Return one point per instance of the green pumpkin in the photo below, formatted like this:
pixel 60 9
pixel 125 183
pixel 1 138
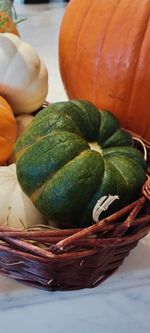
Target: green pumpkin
pixel 70 156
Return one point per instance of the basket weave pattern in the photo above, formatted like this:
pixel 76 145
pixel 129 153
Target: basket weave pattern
pixel 70 259
pixel 73 259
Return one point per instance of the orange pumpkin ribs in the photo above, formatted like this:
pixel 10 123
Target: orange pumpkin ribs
pixel 104 58
pixel 8 130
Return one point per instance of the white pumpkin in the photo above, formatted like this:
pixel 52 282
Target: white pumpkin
pixel 16 209
pixel 22 122
pixel 23 75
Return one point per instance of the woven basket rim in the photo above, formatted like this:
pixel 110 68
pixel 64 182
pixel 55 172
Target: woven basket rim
pixel 67 246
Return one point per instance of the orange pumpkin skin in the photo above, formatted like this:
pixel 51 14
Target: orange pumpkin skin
pixel 7 24
pixel 8 130
pixel 104 56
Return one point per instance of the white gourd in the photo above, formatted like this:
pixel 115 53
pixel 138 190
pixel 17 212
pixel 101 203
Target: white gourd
pixel 22 122
pixel 23 75
pixel 16 209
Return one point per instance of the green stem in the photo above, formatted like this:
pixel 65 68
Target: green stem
pixel 7 6
pixel 20 20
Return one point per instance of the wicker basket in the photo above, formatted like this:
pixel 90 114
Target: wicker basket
pixel 75 258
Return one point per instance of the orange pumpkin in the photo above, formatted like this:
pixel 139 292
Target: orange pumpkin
pixel 8 130
pixel 7 24
pixel 104 55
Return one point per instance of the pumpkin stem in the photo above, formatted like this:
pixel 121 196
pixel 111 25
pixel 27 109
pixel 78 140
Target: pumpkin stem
pixel 20 20
pixel 7 7
pixel 102 205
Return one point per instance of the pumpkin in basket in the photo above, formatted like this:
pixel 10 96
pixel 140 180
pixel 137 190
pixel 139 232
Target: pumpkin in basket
pixel 16 209
pixel 71 155
pixel 23 75
pixel 22 121
pixel 104 57
pixel 8 130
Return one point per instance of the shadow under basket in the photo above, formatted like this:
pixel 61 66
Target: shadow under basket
pixel 70 259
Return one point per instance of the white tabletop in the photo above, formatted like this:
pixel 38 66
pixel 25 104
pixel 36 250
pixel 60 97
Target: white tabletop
pixel 122 303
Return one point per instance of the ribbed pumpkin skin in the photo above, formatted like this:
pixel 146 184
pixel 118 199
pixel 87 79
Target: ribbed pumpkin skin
pixel 104 55
pixel 8 130
pixel 62 174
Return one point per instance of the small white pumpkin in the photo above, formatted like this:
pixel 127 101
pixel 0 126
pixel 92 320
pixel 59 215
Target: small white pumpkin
pixel 23 75
pixel 16 209
pixel 22 122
